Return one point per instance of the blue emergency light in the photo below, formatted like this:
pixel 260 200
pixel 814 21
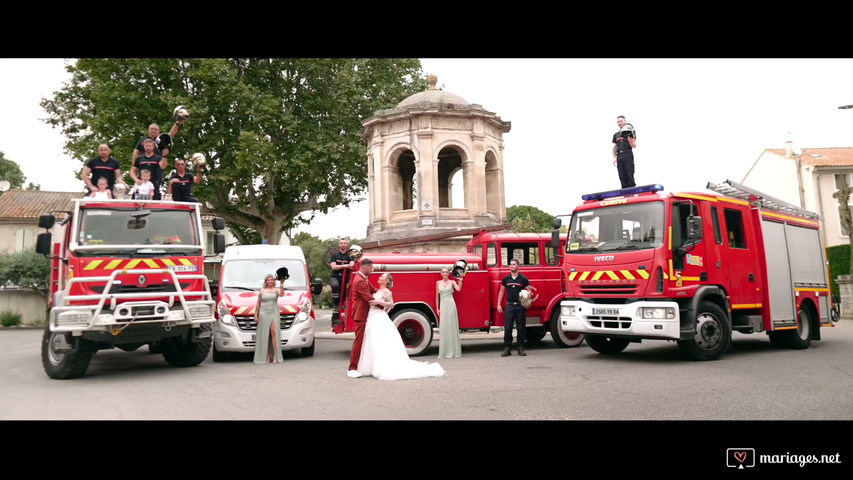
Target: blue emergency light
pixel 623 192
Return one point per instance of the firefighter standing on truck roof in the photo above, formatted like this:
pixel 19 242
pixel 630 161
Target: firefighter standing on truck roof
pixel 624 141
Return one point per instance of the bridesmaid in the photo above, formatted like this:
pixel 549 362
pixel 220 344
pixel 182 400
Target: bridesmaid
pixel 448 329
pixel 267 319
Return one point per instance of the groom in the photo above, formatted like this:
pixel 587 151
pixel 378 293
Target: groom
pixel 362 297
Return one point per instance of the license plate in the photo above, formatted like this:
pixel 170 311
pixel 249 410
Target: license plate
pixel 183 268
pixel 605 311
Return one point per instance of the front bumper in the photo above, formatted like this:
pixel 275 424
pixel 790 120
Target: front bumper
pixel 628 320
pixel 296 333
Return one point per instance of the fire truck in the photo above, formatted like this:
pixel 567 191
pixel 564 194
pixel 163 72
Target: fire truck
pixel 487 258
pixel 693 268
pixel 127 273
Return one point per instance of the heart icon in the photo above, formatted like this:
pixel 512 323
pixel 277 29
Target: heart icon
pixel 740 456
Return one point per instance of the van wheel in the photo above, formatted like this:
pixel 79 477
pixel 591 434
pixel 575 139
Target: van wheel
pixel 415 330
pixel 713 334
pixel 606 345
pixel 219 356
pixel 800 338
pixel 308 351
pixel 561 338
pixel 61 363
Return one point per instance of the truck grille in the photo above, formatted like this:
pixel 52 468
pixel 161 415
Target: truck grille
pixel 247 324
pixel 157 288
pixel 604 321
pixel 609 289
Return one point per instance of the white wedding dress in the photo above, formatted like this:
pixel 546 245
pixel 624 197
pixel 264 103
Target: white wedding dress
pixel 383 354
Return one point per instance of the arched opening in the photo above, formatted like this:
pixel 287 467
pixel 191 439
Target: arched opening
pixel 493 184
pixel 403 182
pixel 451 179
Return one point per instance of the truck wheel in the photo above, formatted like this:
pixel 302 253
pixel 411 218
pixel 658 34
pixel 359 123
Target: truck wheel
pixel 606 345
pixel 308 351
pixel 800 338
pixel 415 330
pixel 713 334
pixel 183 352
pixel 534 334
pixel 776 339
pixel 561 338
pixel 65 364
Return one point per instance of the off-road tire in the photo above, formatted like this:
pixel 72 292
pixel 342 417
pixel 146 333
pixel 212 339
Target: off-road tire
pixel 183 352
pixel 66 365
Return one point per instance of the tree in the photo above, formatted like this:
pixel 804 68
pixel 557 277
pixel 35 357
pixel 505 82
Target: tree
pixel 281 136
pixel 26 269
pixel 11 172
pixel 524 218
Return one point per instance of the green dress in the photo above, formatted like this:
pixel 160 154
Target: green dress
pixel 448 324
pixel 268 316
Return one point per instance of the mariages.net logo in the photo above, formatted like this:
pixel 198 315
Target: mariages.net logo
pixel 742 458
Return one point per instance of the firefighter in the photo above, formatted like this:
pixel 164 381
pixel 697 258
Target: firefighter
pixel 341 261
pixel 624 141
pixel 513 283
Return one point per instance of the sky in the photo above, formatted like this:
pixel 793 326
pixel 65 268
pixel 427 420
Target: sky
pixel 697 121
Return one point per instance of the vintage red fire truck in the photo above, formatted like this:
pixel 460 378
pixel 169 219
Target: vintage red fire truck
pixel 488 255
pixel 693 267
pixel 126 273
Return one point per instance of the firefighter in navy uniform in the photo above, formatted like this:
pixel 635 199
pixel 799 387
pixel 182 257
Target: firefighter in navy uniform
pixel 181 182
pixel 624 141
pixel 341 261
pixel 513 283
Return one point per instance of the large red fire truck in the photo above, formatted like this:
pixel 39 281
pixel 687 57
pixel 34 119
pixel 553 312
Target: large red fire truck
pixel 126 273
pixel 693 267
pixel 488 255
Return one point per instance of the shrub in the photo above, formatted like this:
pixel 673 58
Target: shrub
pixel 839 263
pixel 10 319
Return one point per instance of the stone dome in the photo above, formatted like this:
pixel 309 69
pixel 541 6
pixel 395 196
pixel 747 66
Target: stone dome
pixel 433 95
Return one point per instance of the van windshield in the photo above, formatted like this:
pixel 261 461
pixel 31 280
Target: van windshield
pixel 249 274
pixel 636 226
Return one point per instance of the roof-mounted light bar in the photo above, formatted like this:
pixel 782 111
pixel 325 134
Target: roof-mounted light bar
pixel 623 192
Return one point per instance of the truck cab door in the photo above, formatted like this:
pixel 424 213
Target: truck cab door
pixel 689 266
pixel 740 258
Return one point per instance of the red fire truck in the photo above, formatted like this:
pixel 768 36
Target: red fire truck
pixel 127 273
pixel 693 267
pixel 488 255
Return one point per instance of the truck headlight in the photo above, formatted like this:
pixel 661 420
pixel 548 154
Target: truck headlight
pixel 224 314
pixel 567 311
pixel 304 311
pixel 657 313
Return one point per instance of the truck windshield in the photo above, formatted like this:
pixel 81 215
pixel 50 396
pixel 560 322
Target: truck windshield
pixel 637 226
pixel 118 227
pixel 249 274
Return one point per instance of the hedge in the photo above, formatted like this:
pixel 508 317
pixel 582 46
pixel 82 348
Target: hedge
pixel 839 264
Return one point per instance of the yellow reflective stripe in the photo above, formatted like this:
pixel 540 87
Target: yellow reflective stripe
pixel 240 310
pixel 290 309
pixel 93 265
pixel 596 276
pixel 612 275
pixel 132 263
pixel 745 305
pixel 151 263
pixel 572 276
pixel 583 276
pixel 251 311
pixel 186 261
pixel 690 279
pixel 695 197
pixel 112 265
pixel 168 262
pixel 812 289
pixel 669 234
pixel 627 274
pixel 643 274
pixel 671 273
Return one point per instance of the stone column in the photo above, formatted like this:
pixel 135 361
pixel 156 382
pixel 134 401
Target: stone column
pixel 845 288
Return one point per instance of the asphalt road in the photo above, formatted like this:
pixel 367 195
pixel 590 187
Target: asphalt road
pixel 648 381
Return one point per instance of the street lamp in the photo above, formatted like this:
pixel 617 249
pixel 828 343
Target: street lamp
pixel 845 107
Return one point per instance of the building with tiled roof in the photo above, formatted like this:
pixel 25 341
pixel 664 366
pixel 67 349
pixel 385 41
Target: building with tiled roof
pixel 20 211
pixel 806 178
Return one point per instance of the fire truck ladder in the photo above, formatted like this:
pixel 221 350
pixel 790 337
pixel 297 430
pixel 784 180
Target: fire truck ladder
pixel 758 199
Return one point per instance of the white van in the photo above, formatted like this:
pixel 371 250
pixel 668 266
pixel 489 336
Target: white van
pixel 241 276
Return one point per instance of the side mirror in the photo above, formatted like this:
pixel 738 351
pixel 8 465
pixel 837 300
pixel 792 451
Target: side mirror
pixel 46 221
pixel 694 228
pixel 317 286
pixel 218 243
pixel 43 243
pixel 557 223
pixel 218 223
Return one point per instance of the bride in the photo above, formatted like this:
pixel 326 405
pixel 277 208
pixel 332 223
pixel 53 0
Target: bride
pixel 383 354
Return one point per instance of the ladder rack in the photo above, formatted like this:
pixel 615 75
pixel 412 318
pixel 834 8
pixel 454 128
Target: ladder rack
pixel 761 200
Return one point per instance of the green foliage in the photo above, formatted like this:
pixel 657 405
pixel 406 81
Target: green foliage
pixel 839 264
pixel 524 218
pixel 11 172
pixel 281 136
pixel 26 269
pixel 10 319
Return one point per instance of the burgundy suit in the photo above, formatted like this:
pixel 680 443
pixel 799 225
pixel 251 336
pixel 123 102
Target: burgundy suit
pixel 362 294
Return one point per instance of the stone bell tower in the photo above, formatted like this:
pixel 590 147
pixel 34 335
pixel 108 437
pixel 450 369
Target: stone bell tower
pixel 416 152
